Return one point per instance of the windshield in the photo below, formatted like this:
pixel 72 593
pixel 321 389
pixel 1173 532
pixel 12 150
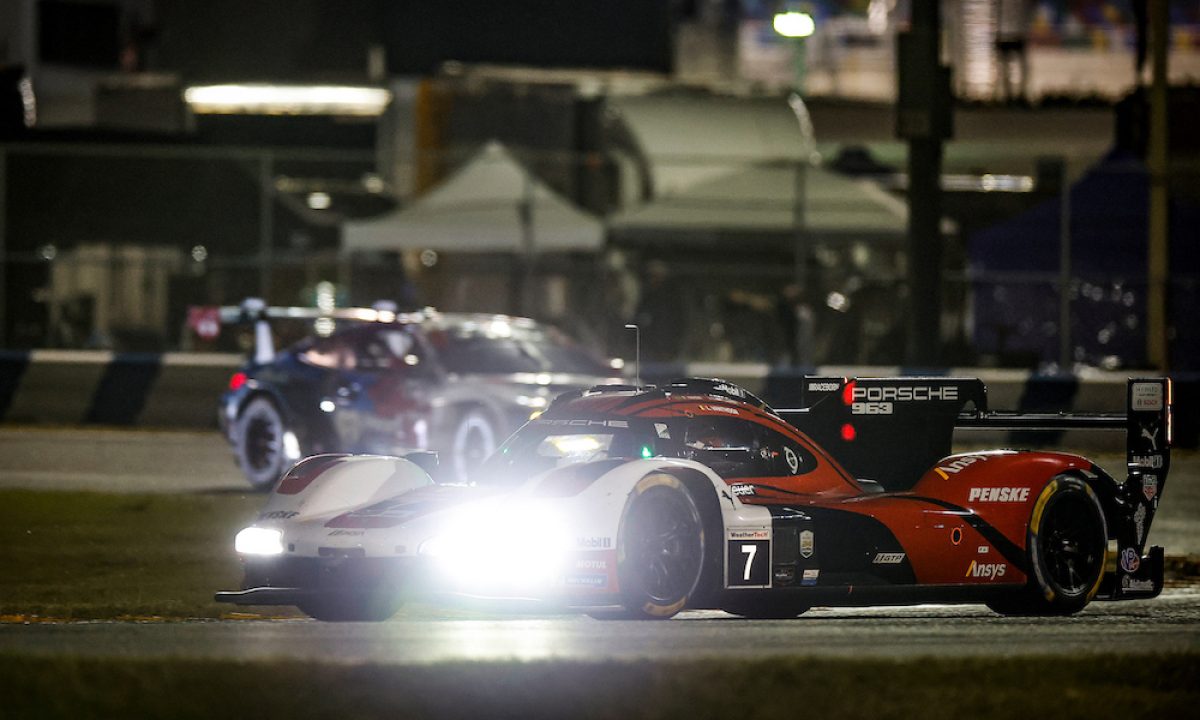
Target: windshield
pixel 502 347
pixel 542 446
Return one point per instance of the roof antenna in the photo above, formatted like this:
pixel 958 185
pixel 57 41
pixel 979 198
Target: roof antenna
pixel 637 353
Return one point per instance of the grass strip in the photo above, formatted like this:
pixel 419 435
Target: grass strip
pixel 980 689
pixel 82 555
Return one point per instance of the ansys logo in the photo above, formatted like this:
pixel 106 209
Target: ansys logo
pixel 991 571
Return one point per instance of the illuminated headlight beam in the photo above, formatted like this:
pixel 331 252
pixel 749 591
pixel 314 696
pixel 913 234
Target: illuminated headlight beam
pixel 500 546
pixel 259 541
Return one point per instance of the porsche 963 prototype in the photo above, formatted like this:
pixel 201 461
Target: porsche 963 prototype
pixel 642 502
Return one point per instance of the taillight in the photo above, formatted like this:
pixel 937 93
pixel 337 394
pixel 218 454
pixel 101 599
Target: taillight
pixel 237 380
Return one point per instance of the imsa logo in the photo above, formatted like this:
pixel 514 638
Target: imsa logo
pixel 989 571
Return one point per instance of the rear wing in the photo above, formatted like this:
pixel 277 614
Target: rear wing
pixel 893 429
pixel 256 311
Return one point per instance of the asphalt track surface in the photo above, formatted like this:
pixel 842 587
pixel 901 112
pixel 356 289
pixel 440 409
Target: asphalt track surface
pixel 1170 623
pixel 191 462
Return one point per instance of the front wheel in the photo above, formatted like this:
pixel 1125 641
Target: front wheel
pixel 660 548
pixel 1067 549
pixel 259 446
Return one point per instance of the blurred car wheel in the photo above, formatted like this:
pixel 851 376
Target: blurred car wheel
pixel 260 443
pixel 660 549
pixel 472 440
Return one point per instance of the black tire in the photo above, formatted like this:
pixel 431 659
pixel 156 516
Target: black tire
pixel 364 607
pixel 472 438
pixel 660 548
pixel 1067 549
pixel 259 448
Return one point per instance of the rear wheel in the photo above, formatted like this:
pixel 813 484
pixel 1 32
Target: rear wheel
pixel 1068 544
pixel 660 548
pixel 260 443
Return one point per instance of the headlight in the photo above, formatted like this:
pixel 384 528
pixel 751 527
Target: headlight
pixel 259 541
pixel 501 544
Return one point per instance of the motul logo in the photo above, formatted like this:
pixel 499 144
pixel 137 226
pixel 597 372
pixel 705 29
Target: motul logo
pixel 998 494
pixel 991 571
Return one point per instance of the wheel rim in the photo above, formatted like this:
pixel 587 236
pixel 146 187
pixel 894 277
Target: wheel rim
pixel 1073 544
pixel 663 546
pixel 262 443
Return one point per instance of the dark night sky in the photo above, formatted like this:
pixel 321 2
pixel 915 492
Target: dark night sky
pixel 314 39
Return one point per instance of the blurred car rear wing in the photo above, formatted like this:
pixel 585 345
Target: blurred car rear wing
pixel 256 310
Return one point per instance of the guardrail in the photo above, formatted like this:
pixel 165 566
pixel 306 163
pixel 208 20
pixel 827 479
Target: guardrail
pixel 180 390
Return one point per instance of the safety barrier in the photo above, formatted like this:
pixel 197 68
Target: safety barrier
pixel 180 390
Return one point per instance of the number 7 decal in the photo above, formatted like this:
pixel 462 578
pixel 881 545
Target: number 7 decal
pixel 748 559
pixel 750 550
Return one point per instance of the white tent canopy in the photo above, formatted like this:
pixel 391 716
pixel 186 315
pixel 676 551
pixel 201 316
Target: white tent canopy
pixel 730 165
pixel 479 209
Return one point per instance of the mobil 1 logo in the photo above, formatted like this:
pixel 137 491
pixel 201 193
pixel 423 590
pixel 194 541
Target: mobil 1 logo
pixel 748 558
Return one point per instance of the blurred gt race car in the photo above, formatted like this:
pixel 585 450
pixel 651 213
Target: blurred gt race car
pixel 384 382
pixel 642 502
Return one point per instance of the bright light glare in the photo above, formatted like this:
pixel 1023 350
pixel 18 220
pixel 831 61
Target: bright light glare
pixel 575 444
pixel 268 99
pixel 794 24
pixel 259 541
pixel 291 446
pixel 500 547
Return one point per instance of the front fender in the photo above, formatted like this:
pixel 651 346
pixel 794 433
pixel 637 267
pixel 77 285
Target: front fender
pixel 327 485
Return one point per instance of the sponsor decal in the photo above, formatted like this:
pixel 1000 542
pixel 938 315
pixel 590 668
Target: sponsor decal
pixel 810 577
pixel 662 431
pixel 742 489
pixel 958 465
pixel 1149 487
pixel 998 494
pixel 592 581
pixel 1152 436
pixel 719 409
pixel 728 389
pixel 983 550
pixel 991 571
pixel 905 393
pixel 806 543
pixel 584 423
pixel 1130 561
pixel 591 564
pixel 593 542
pixel 793 462
pixel 278 515
pixel 1139 522
pixel 1147 396
pixel 1151 462
pixel 749 535
pixel 889 558
pixel 1128 583
pixel 824 387
pixel 351 533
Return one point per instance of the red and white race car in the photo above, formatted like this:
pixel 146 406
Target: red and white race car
pixel 642 502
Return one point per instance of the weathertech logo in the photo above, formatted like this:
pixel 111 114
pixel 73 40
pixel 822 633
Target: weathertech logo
pixel 991 571
pixel 998 494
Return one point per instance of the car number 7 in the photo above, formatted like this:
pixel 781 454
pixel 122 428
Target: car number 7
pixel 749 551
